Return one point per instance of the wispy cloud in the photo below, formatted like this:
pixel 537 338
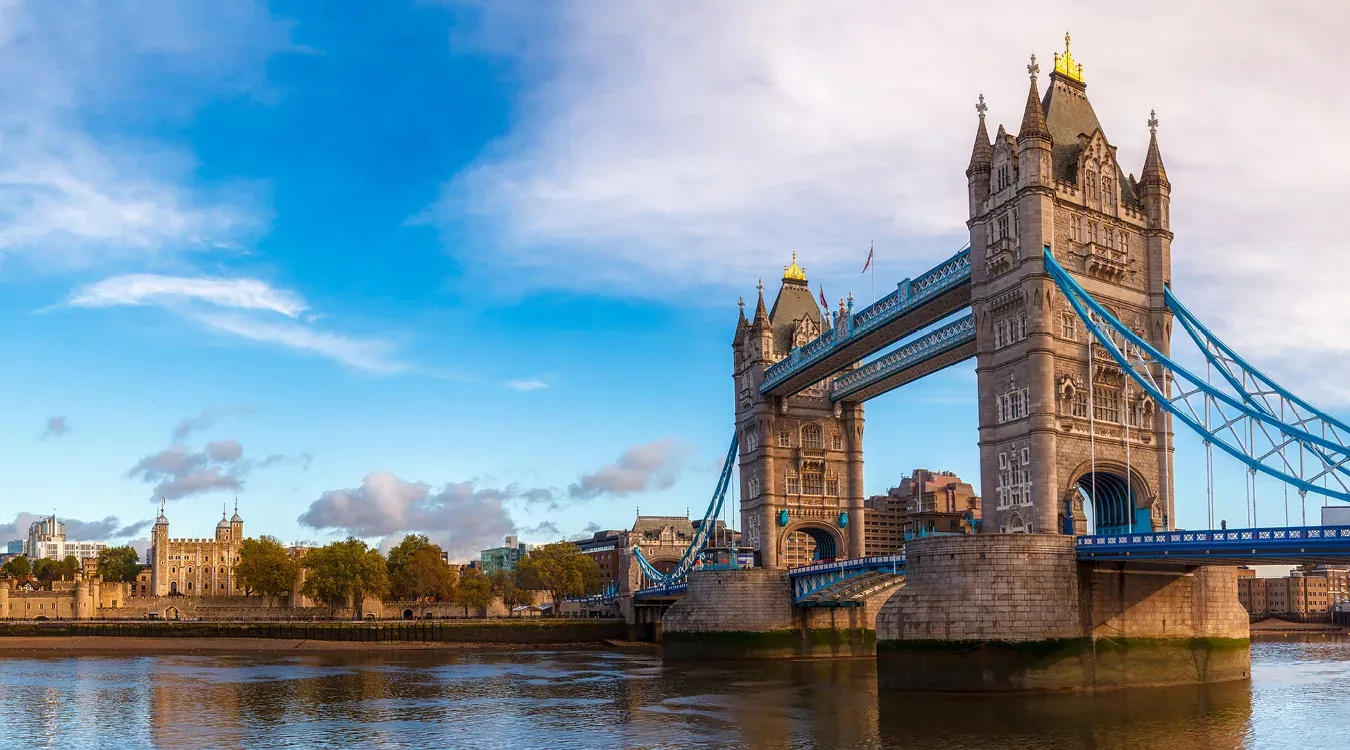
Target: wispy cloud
pixel 363 354
pixel 180 471
pixel 143 289
pixel 70 197
pixel 531 384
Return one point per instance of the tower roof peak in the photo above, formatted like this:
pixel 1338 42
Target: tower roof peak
pixel 1033 119
pixel 982 153
pixel 794 272
pixel 1065 65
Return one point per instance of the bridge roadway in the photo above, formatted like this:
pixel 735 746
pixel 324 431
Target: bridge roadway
pixel 912 307
pixel 1296 545
pixel 949 345
pixel 839 583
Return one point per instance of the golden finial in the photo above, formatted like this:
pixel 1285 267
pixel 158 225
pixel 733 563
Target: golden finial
pixel 1065 65
pixel 794 271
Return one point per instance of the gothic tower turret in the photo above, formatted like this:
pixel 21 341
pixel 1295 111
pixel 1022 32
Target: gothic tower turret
pixel 1049 398
pixel 800 454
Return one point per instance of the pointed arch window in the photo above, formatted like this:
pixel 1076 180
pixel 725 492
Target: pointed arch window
pixel 784 438
pixel 812 437
pixel 1091 184
pixel 837 441
pixel 751 440
pixel 1108 192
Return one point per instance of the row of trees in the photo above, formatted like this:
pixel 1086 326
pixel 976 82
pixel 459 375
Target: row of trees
pixel 350 571
pixel 115 564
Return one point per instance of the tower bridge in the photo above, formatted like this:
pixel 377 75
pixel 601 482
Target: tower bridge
pixel 1063 298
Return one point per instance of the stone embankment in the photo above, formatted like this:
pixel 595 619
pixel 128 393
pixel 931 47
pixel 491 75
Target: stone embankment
pixel 532 632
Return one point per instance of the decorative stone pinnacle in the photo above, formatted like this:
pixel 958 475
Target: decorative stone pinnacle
pixel 741 304
pixel 1033 68
pixel 760 287
pixel 1152 122
pixel 981 108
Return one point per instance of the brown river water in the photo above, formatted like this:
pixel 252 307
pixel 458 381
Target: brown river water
pixel 1299 697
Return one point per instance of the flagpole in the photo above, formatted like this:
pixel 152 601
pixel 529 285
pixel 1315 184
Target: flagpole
pixel 871 250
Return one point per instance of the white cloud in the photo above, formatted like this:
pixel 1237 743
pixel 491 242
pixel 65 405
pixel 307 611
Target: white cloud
pixel 701 143
pixel 142 289
pixel 363 354
pixel 73 198
pixel 530 384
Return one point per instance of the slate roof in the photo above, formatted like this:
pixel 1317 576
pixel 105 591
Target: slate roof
pixel 1067 114
pixel 793 303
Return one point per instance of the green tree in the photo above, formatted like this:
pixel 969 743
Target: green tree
pixel 69 567
pixel 119 564
pixel 507 586
pixel 345 572
pixel 18 568
pixel 266 568
pixel 475 590
pixel 416 571
pixel 561 569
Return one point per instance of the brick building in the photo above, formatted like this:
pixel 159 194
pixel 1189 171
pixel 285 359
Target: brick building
pixel 925 502
pixel 1306 595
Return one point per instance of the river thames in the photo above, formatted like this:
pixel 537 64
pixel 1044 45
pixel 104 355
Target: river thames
pixel 1299 697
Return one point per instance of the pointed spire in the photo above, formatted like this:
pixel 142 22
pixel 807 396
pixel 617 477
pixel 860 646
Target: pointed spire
pixel 982 154
pixel 761 312
pixel 1154 173
pixel 1033 119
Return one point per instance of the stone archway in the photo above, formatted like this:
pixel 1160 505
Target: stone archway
pixel 1109 499
pixel 171 613
pixel 810 541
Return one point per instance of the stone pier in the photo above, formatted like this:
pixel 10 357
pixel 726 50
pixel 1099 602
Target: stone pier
pixel 996 612
pixel 748 614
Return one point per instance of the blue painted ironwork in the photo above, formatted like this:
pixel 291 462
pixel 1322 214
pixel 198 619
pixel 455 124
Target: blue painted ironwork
pixel 663 590
pixel 809 580
pixel 916 352
pixel 608 595
pixel 1280 446
pixel 1293 545
pixel 701 535
pixel 909 295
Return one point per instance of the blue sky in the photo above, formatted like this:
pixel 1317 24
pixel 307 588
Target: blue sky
pixel 471 269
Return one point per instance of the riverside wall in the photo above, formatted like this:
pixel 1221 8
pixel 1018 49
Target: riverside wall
pixel 991 612
pixel 534 631
pixel 748 614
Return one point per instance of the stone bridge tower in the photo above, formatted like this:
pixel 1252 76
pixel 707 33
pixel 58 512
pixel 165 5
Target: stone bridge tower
pixel 1060 423
pixel 801 484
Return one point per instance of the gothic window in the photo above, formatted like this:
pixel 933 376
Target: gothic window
pixel 784 438
pixel 751 440
pixel 1068 326
pixel 1106 404
pixel 222 570
pixel 1108 194
pixel 1076 228
pixel 832 486
pixel 1004 176
pixel 837 441
pixel 1003 226
pixel 1124 240
pixel 1092 184
pixel 1078 405
pixel 1000 334
pixel 1135 413
pixel 813 483
pixel 752 487
pixel 189 585
pixel 794 483
pixel 1092 231
pixel 1110 237
pixel 812 437
pixel 1012 405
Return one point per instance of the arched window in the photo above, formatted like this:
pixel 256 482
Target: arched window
pixel 794 483
pixel 812 437
pixel 751 440
pixel 1091 184
pixel 1108 194
pixel 222 570
pixel 752 487
pixel 189 585
pixel 837 441
pixel 784 438
pixel 173 570
pixel 189 570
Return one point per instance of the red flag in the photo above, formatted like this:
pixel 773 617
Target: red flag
pixel 823 303
pixel 868 264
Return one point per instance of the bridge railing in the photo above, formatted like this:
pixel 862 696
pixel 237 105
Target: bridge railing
pixel 1217 537
pixel 876 561
pixel 669 589
pixel 909 295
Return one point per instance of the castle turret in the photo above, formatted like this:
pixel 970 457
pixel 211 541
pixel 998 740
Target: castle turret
pixel 981 161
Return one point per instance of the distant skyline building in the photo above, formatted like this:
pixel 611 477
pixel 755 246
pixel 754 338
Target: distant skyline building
pixel 15 547
pixel 926 502
pixel 47 541
pixel 504 557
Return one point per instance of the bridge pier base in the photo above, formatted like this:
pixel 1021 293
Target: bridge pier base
pixel 748 614
pixel 1010 612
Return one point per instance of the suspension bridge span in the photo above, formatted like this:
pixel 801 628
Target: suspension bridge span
pixel 1080 574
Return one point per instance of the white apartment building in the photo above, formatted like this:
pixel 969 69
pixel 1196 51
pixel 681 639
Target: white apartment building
pixel 47 540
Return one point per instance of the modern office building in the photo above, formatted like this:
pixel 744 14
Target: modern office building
pixel 504 557
pixel 47 540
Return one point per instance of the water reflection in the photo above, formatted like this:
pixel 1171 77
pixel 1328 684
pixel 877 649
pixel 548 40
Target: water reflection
pixel 599 699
